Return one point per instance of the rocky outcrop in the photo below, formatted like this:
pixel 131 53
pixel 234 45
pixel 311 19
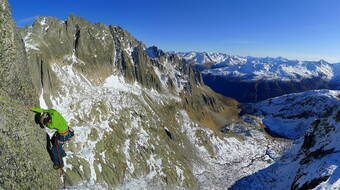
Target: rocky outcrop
pixel 203 105
pixel 14 71
pixel 24 162
pixel 137 68
pixel 154 52
pixel 96 50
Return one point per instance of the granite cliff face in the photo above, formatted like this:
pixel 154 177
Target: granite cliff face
pixel 50 40
pixel 23 159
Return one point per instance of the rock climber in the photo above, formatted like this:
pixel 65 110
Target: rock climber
pixel 52 119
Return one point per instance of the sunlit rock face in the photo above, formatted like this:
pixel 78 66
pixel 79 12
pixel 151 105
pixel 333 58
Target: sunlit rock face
pixel 24 163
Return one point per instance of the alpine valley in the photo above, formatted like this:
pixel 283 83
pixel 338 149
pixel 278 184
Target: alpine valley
pixel 145 119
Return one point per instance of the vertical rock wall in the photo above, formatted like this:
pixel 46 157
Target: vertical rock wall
pixel 24 161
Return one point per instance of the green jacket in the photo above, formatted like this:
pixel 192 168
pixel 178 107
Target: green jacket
pixel 58 122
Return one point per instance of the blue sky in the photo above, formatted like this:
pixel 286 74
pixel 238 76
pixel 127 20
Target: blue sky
pixel 296 29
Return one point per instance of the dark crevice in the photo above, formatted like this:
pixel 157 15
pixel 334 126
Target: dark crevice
pixel 42 73
pixel 168 133
pixel 66 25
pixel 49 80
pixel 77 36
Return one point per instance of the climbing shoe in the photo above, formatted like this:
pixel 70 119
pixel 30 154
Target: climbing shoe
pixel 64 154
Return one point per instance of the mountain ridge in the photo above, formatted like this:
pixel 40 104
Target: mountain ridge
pixel 261 78
pixel 225 61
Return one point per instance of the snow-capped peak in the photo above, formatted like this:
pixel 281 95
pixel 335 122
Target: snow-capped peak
pixel 252 68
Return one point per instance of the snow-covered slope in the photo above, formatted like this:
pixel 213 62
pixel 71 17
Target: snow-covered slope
pixel 291 115
pixel 313 162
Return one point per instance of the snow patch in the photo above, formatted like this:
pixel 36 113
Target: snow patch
pixel 29 45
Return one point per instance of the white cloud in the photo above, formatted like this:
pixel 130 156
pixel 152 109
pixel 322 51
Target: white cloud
pixel 27 20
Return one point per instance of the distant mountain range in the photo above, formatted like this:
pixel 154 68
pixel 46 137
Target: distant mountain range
pixel 251 79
